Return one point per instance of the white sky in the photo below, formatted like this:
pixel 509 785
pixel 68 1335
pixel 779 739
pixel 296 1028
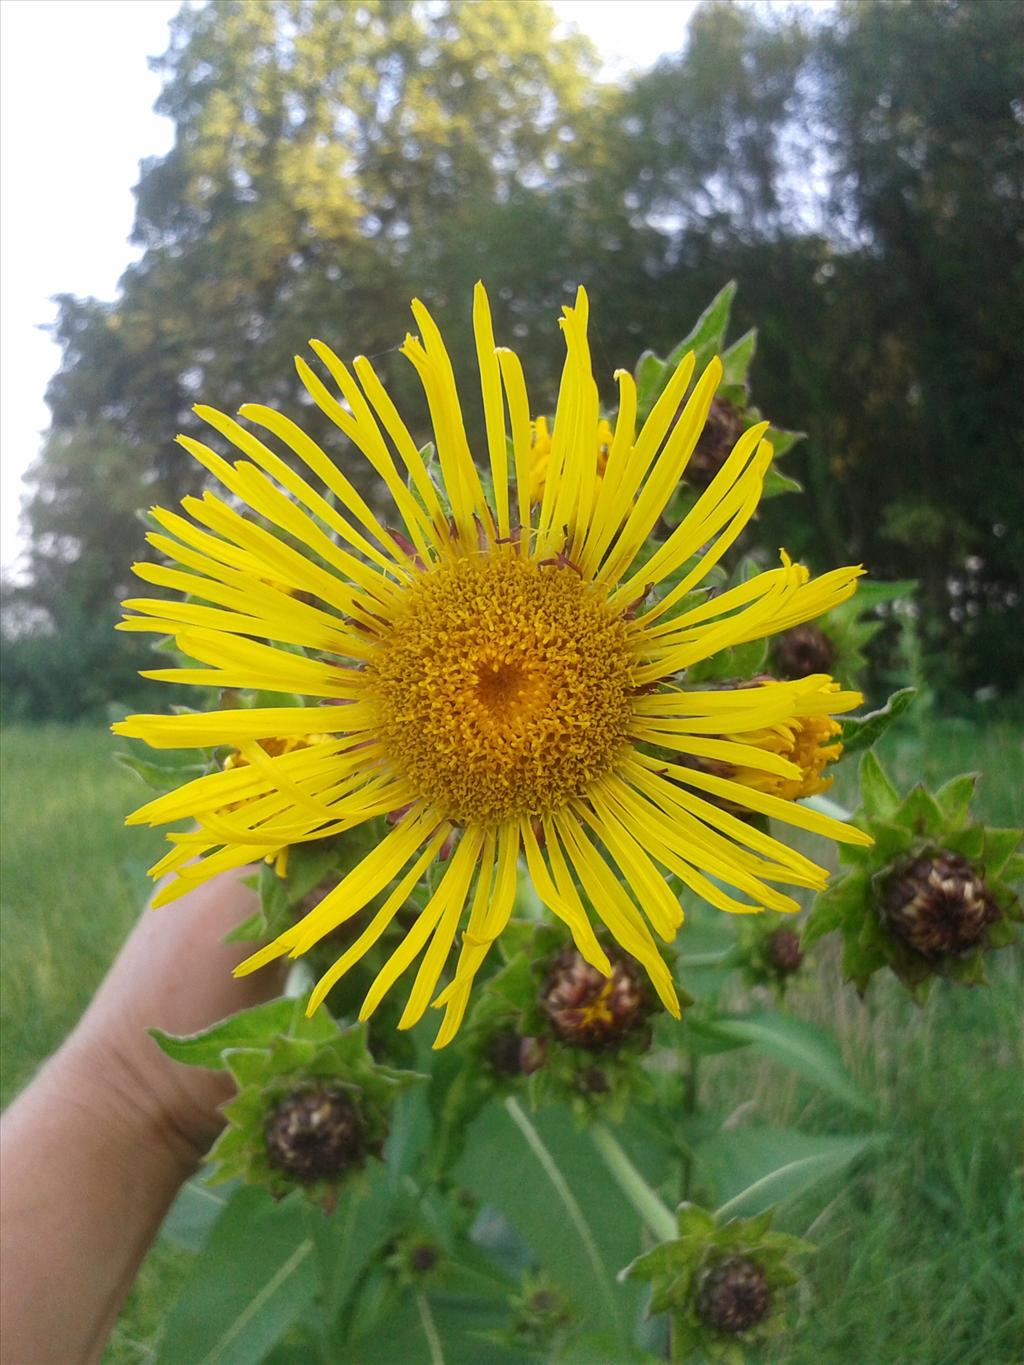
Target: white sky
pixel 76 118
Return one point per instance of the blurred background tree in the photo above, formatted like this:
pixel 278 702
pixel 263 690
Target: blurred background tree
pixel 859 171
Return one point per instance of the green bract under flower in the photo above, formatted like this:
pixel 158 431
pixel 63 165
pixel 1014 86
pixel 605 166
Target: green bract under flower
pixel 721 1283
pixel 312 1105
pixel 933 895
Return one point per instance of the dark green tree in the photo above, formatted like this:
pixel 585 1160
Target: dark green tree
pixel 330 161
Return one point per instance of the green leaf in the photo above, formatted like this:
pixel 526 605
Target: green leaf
pixel 708 334
pixel 247 1288
pixel 919 812
pixel 871 593
pixel 252 1028
pixel 802 1046
pixel 775 482
pixel 955 797
pixel 704 1038
pixel 249 930
pixel 193 1214
pixel 878 796
pixel 1000 846
pixel 160 777
pixel 736 360
pixel 755 1168
pixel 467 1328
pixel 651 375
pixel 861 732
pixel 366 1218
pixel 781 440
pixel 542 1173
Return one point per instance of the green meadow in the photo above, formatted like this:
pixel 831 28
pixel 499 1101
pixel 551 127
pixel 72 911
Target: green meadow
pixel 920 1258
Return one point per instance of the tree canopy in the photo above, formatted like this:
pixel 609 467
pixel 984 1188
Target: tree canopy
pixel 859 172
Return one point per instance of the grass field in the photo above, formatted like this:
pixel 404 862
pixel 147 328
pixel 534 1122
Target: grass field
pixel 920 1259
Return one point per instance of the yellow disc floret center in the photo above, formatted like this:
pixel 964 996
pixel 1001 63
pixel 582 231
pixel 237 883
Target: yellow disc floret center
pixel 503 687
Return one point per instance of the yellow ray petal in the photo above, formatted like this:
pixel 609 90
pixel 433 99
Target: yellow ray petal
pixel 377 926
pixel 616 909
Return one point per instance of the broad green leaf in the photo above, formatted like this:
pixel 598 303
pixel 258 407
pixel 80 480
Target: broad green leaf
pixel 465 1328
pixel 706 1039
pixel 861 732
pixel 366 1218
pixel 547 1179
pixel 193 1214
pixel 795 1043
pixel 245 1290
pixel 879 797
pixel 754 1168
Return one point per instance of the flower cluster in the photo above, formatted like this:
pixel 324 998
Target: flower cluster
pixel 933 895
pixel 722 1284
pixel 503 677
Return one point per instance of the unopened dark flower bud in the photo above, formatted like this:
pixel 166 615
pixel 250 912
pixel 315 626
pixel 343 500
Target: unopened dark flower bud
pixel 734 1296
pixel 315 1134
pixel 937 905
pixel 804 650
pixel 721 432
pixel 588 1009
pixel 783 951
pixel 423 1258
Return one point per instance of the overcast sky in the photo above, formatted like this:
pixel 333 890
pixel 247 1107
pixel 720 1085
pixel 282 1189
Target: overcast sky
pixel 76 118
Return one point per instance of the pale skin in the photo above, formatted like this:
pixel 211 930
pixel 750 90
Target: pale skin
pixel 101 1140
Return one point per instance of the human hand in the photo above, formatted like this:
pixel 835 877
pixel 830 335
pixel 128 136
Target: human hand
pixel 173 973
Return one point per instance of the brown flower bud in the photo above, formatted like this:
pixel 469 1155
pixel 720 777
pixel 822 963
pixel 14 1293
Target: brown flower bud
pixel 423 1258
pixel 937 905
pixel 315 1134
pixel 588 1009
pixel 804 650
pixel 721 432
pixel 734 1295
pixel 784 952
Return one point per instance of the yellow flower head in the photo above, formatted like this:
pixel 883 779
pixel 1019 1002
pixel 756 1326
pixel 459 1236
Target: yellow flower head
pixel 540 455
pixel 804 741
pixel 506 676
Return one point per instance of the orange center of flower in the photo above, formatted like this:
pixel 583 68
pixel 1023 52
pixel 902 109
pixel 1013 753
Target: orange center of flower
pixel 503 687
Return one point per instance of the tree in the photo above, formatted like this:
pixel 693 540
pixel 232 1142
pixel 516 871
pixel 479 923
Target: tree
pixel 330 161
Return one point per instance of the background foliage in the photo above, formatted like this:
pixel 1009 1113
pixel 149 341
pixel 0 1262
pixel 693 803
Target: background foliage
pixel 919 1256
pixel 859 171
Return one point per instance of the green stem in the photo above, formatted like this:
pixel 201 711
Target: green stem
pixel 429 1329
pixel 690 1096
pixel 633 1185
pixel 705 959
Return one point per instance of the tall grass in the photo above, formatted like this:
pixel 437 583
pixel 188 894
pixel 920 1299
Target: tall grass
pixel 920 1257
pixel 73 881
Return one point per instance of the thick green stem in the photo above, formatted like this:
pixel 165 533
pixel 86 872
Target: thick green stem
pixel 690 1097
pixel 633 1185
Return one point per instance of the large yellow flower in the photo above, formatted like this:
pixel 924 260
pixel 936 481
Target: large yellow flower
pixel 505 676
